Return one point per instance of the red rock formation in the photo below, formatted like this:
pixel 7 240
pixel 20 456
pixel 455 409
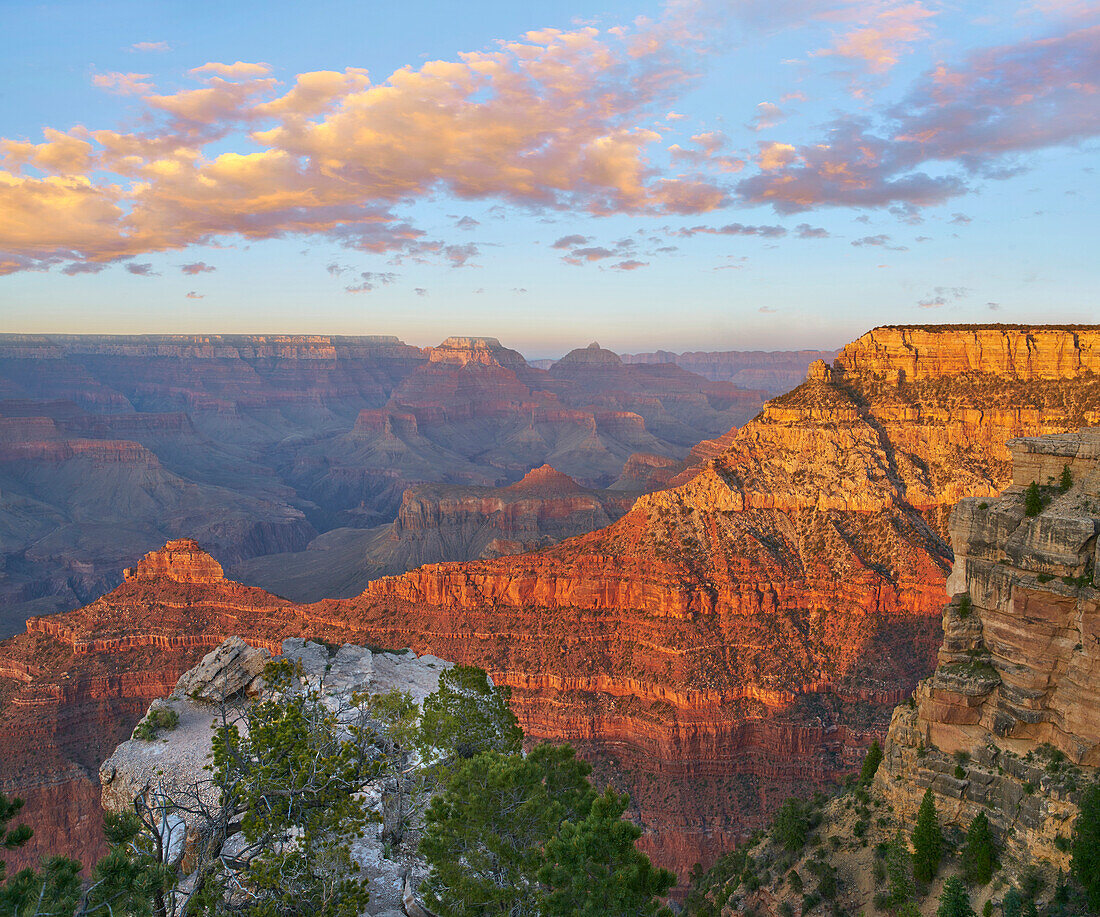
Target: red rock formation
pixel 181 560
pixel 723 644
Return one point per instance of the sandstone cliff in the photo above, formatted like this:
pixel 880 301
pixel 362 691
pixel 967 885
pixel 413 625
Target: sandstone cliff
pixel 1007 724
pixel 725 643
pixel 753 627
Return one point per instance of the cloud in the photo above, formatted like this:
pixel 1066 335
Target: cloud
pixel 941 296
pixel 592 253
pixel 150 46
pixel 768 115
pixel 370 280
pixel 467 223
pixel 706 154
pixel 123 83
pixel 973 119
pixel 197 267
pixel 142 270
pixel 81 267
pixel 734 229
pixel 767 310
pixel 993 306
pixel 806 231
pixel 879 45
pixel 194 295
pixel 558 120
pixel 570 241
pixel 237 71
pixel 960 219
pixel 880 241
pixel 420 291
pixel 629 265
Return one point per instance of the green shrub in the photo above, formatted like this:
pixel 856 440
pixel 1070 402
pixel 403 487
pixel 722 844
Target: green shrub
pixel 1086 847
pixel 1066 481
pixel 161 718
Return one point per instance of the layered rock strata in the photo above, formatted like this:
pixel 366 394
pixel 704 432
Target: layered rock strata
pixel 257 444
pixel 722 645
pixel 1017 686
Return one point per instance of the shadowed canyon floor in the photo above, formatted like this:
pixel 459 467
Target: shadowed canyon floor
pixel 255 445
pixel 724 644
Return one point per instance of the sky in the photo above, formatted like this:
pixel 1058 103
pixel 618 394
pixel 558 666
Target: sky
pixel 686 175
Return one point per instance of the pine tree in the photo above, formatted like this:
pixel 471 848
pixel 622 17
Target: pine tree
pixel 1033 500
pixel 899 872
pixel 594 869
pixel 486 832
pixel 955 902
pixel 1086 846
pixel 927 840
pixel 466 716
pixel 1065 482
pixel 871 763
pixel 980 852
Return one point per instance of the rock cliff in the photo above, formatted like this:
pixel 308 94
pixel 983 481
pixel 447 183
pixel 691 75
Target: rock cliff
pixel 167 767
pixel 257 444
pixel 1006 726
pixel 1017 684
pixel 725 643
pixel 753 627
pixel 775 372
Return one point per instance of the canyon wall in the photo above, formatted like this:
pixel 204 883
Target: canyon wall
pixel 1017 685
pixel 775 372
pixel 727 642
pixel 258 444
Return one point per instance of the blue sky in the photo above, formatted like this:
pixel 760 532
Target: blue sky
pixel 701 174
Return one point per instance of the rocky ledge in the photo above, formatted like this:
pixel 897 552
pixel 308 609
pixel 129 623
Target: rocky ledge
pixel 1007 724
pixel 166 758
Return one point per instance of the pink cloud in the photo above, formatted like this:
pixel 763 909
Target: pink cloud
pixel 555 120
pixel 124 84
pixel 977 118
pixel 197 267
pixel 237 71
pixel 150 46
pixel 629 265
pixel 878 46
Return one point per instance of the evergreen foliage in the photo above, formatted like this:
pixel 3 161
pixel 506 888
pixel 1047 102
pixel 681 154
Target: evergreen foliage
pixel 467 716
pixel 955 902
pixel 899 873
pixel 1033 500
pixel 594 870
pixel 1086 847
pixel 927 840
pixel 290 775
pixel 871 763
pixel 979 852
pixel 529 837
pixel 1065 482
pixel 131 879
pixel 485 833
pixel 791 825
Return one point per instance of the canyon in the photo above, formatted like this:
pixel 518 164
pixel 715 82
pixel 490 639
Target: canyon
pixel 1006 725
pixel 256 445
pixel 733 639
